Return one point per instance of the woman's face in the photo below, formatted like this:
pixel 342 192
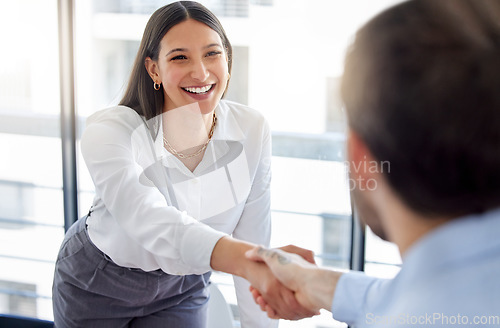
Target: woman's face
pixel 192 66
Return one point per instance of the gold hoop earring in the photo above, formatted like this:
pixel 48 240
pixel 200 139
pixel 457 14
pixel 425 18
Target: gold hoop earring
pixel 156 86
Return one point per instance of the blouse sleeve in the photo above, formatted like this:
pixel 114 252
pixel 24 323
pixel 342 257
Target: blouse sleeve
pixel 255 226
pixel 179 243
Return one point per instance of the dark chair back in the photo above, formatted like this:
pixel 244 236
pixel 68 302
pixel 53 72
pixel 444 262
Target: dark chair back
pixel 12 321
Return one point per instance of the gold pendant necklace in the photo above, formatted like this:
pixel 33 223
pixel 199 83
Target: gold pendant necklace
pixel 171 149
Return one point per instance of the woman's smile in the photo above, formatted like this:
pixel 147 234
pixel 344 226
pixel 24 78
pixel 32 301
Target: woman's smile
pixel 199 92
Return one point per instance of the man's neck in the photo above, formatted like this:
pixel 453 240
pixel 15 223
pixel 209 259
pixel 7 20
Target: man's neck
pixel 403 226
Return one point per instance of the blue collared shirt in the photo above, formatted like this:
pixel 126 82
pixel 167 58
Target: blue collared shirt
pixel 450 278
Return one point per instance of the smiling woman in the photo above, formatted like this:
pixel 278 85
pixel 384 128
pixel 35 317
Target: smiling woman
pixel 178 51
pixel 192 66
pixel 176 171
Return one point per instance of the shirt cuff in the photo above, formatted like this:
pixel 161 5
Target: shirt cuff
pixel 349 299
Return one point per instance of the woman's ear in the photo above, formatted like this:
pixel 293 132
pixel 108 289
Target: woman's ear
pixel 152 68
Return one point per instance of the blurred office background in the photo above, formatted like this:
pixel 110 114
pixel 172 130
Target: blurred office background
pixel 288 57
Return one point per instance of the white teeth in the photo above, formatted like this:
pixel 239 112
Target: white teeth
pixel 198 89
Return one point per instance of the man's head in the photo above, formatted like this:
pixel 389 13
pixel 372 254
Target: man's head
pixel 421 89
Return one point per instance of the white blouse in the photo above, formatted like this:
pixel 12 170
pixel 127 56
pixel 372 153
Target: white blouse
pixel 151 212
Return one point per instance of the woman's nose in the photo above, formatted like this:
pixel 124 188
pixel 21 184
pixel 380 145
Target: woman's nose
pixel 199 71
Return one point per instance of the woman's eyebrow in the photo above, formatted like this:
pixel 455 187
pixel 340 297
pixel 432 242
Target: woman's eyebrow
pixel 176 50
pixel 213 45
pixel 184 49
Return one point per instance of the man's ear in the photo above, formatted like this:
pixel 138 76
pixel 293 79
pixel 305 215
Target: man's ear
pixel 152 68
pixel 359 157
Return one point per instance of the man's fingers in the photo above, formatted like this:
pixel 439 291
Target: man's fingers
pixel 262 254
pixel 283 255
pixel 256 254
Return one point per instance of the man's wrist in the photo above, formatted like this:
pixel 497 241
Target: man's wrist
pixel 322 287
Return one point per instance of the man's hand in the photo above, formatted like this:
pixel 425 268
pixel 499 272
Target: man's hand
pixel 314 287
pixel 280 300
pixel 229 256
pixel 308 255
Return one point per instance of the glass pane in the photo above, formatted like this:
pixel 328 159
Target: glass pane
pixel 311 208
pixel 287 63
pixel 382 258
pixel 31 211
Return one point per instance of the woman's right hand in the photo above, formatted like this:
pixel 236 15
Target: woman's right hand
pixel 313 287
pixel 280 301
pixel 228 256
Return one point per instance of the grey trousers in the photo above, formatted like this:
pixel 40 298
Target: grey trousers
pixel 89 290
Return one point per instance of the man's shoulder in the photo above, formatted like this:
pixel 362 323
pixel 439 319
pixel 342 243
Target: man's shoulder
pixel 467 290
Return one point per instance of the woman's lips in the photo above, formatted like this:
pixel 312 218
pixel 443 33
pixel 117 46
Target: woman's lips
pixel 199 92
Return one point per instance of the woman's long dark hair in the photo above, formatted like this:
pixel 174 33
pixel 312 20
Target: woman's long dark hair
pixel 140 94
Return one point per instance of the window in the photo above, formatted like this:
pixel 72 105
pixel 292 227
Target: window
pixel 31 211
pixel 288 58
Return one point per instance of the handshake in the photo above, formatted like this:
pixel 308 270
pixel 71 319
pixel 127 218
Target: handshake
pixel 287 284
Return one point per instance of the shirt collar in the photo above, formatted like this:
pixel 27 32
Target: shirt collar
pixel 227 129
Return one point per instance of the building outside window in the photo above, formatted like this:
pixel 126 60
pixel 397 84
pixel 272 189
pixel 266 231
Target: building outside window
pixel 288 58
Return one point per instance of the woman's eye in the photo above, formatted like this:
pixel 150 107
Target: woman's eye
pixel 179 57
pixel 214 53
